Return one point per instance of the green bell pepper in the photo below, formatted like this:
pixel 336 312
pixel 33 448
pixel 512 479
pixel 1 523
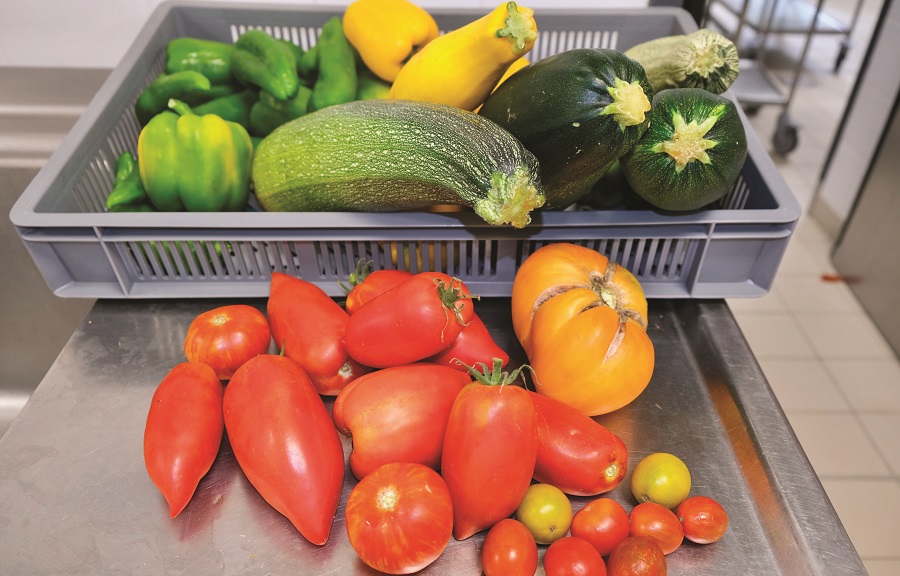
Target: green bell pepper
pixel 336 58
pixel 208 57
pixel 269 113
pixel 194 163
pixel 234 107
pixel 263 61
pixel 128 194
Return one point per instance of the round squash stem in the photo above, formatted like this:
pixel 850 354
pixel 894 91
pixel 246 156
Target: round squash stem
pixel 688 142
pixel 510 199
pixel 519 26
pixel 630 104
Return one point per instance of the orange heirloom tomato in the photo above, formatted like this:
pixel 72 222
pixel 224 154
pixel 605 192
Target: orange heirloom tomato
pixel 582 320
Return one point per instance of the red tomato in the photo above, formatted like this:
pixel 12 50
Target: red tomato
pixel 572 556
pixel 183 431
pixel 285 442
pixel 509 550
pixel 310 326
pixel 637 556
pixel 704 520
pixel 368 285
pixel 604 523
pixel 576 454
pixel 226 337
pixel 658 522
pixel 474 345
pixel 399 518
pixel 489 453
pixel 398 414
pixel 410 322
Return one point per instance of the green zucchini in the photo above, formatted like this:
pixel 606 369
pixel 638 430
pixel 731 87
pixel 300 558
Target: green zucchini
pixel 389 155
pixel 693 152
pixel 578 111
pixel 702 59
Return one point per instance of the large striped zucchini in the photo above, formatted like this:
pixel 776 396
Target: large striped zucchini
pixel 389 155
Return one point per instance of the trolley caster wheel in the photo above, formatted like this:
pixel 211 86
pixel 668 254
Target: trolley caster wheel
pixel 784 140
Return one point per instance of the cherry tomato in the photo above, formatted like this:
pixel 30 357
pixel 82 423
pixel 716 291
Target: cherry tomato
pixel 474 345
pixel 662 478
pixel 572 556
pixel 581 320
pixel 546 512
pixel 309 326
pixel 226 337
pixel 367 285
pixel 704 520
pixel 410 322
pixel 658 522
pixel 637 556
pixel 399 517
pixel 285 442
pixel 398 414
pixel 604 523
pixel 509 550
pixel 489 451
pixel 183 431
pixel 576 454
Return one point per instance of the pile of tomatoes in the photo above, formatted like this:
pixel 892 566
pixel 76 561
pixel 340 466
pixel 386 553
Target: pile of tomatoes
pixel 445 442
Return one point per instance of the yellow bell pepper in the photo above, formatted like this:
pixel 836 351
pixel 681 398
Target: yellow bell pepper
pixel 387 32
pixel 461 67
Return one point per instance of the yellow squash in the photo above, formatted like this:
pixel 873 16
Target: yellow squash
pixel 461 67
pixel 387 32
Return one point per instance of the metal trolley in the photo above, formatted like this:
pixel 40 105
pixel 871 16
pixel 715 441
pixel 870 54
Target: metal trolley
pixel 750 23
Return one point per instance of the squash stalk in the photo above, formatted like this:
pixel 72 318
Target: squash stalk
pixel 510 199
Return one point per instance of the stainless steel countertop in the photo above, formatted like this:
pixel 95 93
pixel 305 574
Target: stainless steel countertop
pixel 75 497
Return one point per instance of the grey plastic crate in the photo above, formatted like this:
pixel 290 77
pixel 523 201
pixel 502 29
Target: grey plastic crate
pixel 83 251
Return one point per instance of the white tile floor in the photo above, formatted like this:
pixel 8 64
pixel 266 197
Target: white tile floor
pixel 835 376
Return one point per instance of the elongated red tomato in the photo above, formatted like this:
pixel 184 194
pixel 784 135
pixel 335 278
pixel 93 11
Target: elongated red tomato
pixel 489 453
pixel 310 326
pixel 474 345
pixel 410 322
pixel 183 431
pixel 368 285
pixel 399 518
pixel 576 453
pixel 398 414
pixel 285 442
pixel 226 337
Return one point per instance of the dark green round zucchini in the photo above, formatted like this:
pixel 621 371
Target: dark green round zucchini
pixel 578 111
pixel 389 155
pixel 693 152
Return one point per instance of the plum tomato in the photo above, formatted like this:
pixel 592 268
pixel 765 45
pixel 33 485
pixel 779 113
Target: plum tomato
pixel 704 520
pixel 604 523
pixel 509 549
pixel 658 522
pixel 399 517
pixel 573 556
pixel 637 556
pixel 662 478
pixel 546 512
pixel 226 337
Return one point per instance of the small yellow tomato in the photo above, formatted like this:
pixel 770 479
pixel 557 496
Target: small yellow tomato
pixel 662 478
pixel 546 512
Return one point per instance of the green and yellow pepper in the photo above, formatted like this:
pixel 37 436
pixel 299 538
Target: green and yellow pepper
pixel 194 163
pixel 336 62
pixel 387 32
pixel 128 194
pixel 268 113
pixel 180 85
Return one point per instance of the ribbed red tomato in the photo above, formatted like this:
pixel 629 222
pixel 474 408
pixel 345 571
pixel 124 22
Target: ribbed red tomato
pixel 582 320
pixel 399 518
pixel 397 414
pixel 226 337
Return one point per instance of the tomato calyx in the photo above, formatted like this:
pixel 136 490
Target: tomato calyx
pixel 449 296
pixel 363 267
pixel 495 375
